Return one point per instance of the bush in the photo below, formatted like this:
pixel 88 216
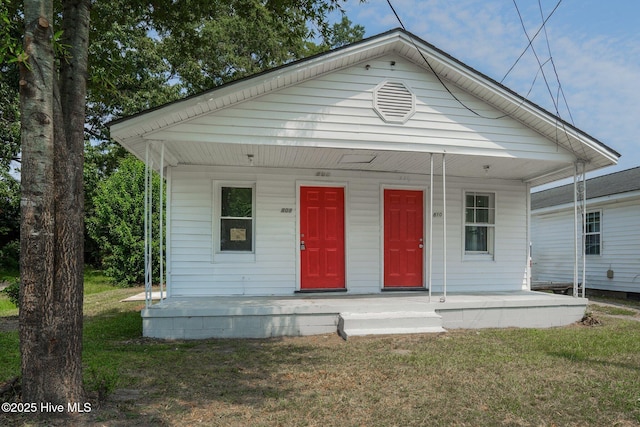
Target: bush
pixel 13 291
pixel 9 221
pixel 117 223
pixel 10 255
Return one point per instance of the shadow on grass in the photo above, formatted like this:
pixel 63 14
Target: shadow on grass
pixel 156 379
pixel 580 357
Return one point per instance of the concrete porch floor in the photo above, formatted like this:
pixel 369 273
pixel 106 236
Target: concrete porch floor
pixel 264 316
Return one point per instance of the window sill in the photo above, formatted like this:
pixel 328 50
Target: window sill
pixel 234 257
pixel 478 257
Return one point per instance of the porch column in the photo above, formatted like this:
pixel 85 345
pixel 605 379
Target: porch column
pixel 148 229
pixel 580 218
pixel 444 231
pixel 161 225
pixel 584 229
pixel 430 250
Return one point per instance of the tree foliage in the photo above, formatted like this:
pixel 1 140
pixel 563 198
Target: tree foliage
pixel 68 89
pixel 117 223
pixel 145 54
pixel 9 221
pixel 9 118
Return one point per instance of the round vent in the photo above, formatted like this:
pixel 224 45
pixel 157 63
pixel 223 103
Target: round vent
pixel 394 102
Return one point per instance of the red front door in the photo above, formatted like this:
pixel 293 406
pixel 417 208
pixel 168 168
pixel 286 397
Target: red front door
pixel 403 238
pixel 322 237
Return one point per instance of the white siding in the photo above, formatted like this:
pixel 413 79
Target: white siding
pixel 336 110
pixel 553 253
pixel 196 270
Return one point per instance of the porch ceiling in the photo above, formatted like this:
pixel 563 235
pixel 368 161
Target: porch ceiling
pixel 324 159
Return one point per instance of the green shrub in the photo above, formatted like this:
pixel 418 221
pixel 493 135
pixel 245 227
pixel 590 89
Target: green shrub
pixel 117 223
pixel 13 291
pixel 10 255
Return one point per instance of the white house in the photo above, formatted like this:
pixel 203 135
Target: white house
pixel 372 170
pixel 611 242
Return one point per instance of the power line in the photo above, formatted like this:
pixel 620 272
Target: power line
pixel 554 100
pixel 543 26
pixel 560 90
pixel 540 71
pixel 436 74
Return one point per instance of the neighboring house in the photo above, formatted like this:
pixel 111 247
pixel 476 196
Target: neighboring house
pixel 353 172
pixel 612 237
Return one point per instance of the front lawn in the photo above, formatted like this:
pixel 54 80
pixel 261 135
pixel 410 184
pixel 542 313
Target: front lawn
pixel 575 375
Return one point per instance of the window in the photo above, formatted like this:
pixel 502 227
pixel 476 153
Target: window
pixel 592 237
pixel 236 219
pixel 479 223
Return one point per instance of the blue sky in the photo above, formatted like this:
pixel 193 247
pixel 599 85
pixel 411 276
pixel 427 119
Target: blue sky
pixel 595 46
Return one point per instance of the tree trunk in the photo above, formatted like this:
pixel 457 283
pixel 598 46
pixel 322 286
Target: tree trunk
pixel 53 113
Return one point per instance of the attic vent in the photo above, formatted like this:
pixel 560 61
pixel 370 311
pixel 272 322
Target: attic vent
pixel 394 102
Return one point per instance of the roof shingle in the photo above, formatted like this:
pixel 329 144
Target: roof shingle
pixel 605 185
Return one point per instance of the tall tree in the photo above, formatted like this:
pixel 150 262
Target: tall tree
pixel 53 91
pixel 52 95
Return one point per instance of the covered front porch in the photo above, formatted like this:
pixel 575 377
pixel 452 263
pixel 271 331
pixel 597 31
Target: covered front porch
pixel 352 315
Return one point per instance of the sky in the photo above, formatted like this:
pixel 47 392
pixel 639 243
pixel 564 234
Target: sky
pixel 594 46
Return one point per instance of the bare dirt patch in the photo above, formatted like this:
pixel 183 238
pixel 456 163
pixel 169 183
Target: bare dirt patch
pixel 8 324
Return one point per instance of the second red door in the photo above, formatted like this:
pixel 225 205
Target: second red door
pixel 403 238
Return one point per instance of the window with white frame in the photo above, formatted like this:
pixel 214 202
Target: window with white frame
pixel 593 233
pixel 236 213
pixel 479 223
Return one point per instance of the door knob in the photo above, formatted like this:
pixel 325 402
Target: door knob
pixel 421 246
pixel 302 246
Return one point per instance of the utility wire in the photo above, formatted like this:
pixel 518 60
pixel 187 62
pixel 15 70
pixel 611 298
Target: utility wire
pixel 540 71
pixel 535 54
pixel 554 100
pixel 560 90
pixel 436 74
pixel 543 26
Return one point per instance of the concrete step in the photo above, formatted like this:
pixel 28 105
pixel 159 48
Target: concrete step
pixel 394 322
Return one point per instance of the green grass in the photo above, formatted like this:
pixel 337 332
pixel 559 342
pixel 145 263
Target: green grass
pixel 7 308
pixel 613 310
pixel 575 375
pixel 95 282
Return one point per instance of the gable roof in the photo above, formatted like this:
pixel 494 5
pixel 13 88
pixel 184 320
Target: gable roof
pixel 606 185
pixel 135 131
